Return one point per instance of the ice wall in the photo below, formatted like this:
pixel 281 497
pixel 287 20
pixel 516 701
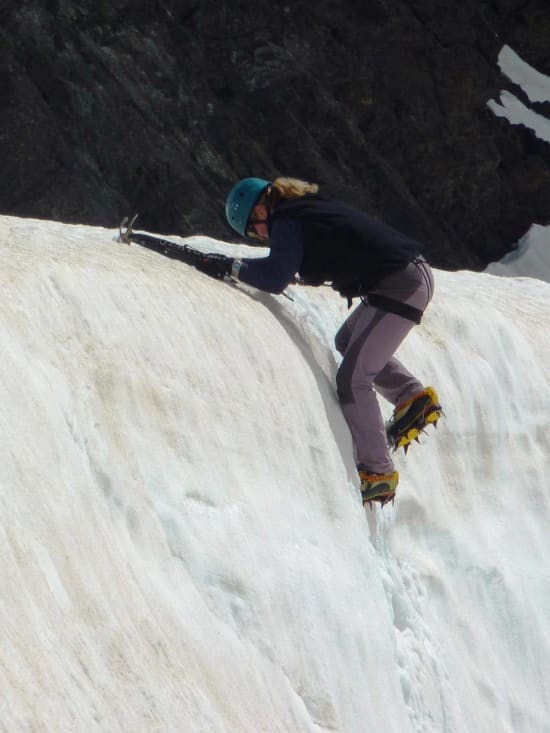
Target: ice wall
pixel 182 540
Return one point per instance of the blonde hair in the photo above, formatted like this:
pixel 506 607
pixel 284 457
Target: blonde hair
pixel 290 188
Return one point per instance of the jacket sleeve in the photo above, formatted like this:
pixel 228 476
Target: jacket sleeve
pixel 275 272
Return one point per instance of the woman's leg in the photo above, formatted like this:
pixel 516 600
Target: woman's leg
pixel 368 339
pixel 375 338
pixel 395 383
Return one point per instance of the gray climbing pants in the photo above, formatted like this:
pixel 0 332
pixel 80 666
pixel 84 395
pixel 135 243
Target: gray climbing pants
pixel 368 340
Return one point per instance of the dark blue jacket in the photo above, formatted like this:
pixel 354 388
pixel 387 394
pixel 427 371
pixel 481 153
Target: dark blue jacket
pixel 325 241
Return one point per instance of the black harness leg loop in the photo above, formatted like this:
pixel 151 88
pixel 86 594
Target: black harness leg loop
pixel 389 305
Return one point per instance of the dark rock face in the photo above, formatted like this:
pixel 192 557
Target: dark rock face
pixel 112 106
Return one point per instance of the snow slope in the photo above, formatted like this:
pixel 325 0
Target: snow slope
pixel 530 259
pixel 182 541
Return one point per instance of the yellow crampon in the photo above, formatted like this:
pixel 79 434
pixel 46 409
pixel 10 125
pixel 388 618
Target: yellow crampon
pixel 419 411
pixel 414 433
pixel 378 487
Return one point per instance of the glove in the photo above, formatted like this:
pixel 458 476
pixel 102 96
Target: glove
pixel 215 265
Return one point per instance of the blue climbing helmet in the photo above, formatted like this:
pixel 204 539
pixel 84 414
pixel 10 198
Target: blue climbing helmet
pixel 241 200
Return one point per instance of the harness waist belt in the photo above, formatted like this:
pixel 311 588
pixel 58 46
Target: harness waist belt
pixel 389 305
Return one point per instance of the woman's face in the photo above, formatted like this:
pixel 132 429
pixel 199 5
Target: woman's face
pixel 257 224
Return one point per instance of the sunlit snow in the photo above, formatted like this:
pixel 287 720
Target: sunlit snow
pixel 183 543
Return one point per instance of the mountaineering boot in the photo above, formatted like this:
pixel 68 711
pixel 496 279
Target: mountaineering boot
pixel 378 487
pixel 411 417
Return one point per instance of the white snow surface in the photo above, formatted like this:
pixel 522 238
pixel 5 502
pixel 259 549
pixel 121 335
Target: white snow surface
pixel 535 85
pixel 532 256
pixel 182 540
pixel 530 259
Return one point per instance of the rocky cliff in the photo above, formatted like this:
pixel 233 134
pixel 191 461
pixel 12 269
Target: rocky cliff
pixel 112 106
